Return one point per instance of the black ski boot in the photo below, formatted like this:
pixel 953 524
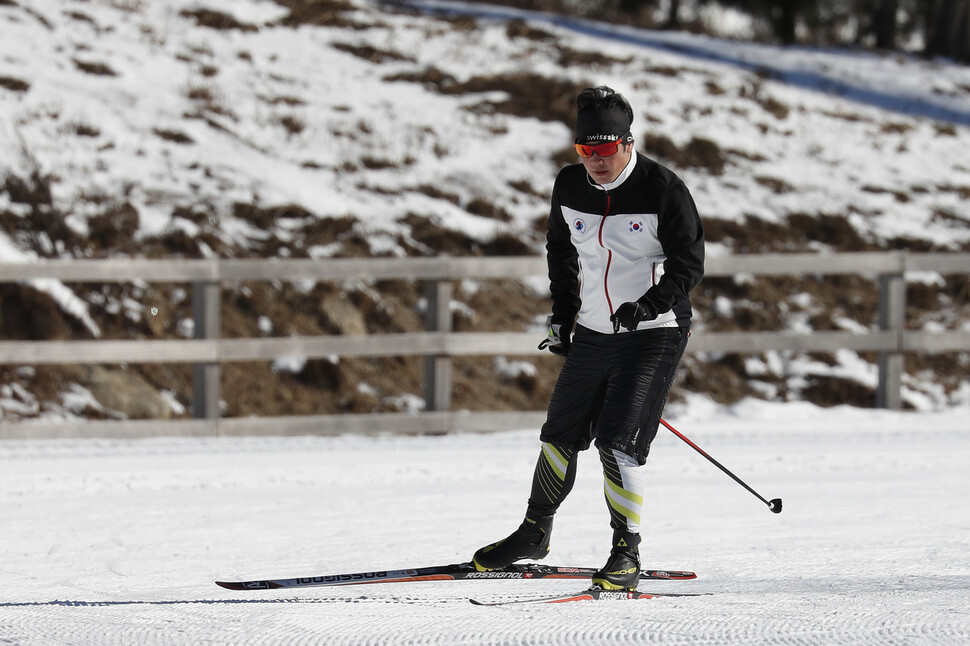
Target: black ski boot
pixel 529 541
pixel 622 570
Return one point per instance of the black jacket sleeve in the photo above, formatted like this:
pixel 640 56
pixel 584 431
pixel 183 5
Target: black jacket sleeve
pixel 563 262
pixel 682 238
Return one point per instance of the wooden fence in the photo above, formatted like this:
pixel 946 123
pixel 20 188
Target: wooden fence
pixel 438 343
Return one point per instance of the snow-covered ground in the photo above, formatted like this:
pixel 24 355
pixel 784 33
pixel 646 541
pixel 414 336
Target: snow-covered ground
pixel 118 542
pixel 115 542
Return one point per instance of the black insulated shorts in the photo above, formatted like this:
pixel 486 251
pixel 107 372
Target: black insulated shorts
pixel 612 389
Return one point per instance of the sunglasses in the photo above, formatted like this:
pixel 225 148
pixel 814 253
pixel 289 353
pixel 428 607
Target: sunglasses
pixel 607 149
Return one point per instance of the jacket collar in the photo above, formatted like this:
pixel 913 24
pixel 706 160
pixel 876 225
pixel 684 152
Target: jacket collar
pixel 622 177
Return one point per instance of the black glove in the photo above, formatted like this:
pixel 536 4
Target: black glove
pixel 630 314
pixel 558 340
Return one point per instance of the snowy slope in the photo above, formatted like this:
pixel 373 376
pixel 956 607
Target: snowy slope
pixel 114 542
pixel 384 118
pixel 135 101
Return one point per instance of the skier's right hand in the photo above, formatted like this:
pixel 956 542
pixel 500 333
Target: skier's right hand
pixel 558 339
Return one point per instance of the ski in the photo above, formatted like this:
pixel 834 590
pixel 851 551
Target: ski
pixel 453 572
pixel 591 594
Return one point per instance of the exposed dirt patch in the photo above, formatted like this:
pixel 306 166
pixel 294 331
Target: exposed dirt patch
pixel 528 95
pixel 775 184
pixel 34 190
pixel 798 233
pixel 701 375
pixel 571 58
pixel 370 54
pixel 833 391
pixel 697 153
pixel 216 20
pixel 14 84
pixel 522 29
pixel 755 92
pixel 116 227
pixel 429 234
pixel 322 13
pixel 31 315
pixel 175 136
pixel 94 68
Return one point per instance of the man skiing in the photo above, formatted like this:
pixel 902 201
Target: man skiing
pixel 624 248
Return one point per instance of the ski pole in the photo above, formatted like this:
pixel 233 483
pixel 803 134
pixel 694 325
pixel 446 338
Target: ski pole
pixel 773 504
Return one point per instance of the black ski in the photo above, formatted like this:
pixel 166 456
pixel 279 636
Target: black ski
pixel 453 572
pixel 592 594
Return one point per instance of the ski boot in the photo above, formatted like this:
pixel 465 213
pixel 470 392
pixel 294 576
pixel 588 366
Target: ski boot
pixel 529 541
pixel 622 570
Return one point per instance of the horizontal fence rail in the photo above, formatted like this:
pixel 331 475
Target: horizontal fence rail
pixel 447 343
pixel 438 344
pixel 121 270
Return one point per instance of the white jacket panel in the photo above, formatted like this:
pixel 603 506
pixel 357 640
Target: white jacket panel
pixel 620 258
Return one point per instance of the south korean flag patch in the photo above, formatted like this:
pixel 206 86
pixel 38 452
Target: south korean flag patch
pixel 636 226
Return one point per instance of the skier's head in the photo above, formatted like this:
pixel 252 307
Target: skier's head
pixel 602 115
pixel 603 120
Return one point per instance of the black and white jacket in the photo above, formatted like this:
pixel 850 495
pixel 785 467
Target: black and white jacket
pixel 614 243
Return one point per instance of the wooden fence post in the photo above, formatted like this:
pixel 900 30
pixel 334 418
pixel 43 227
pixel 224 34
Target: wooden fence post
pixel 206 300
pixel 437 368
pixel 892 317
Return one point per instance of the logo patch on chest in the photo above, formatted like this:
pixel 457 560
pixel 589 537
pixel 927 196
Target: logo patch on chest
pixel 579 225
pixel 636 226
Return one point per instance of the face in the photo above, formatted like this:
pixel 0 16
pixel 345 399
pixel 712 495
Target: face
pixel 604 170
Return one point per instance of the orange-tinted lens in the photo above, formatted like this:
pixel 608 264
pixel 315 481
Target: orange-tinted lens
pixel 603 150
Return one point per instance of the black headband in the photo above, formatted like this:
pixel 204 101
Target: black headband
pixel 598 126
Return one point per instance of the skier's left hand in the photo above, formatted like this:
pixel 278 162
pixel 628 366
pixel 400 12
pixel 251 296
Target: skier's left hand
pixel 631 313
